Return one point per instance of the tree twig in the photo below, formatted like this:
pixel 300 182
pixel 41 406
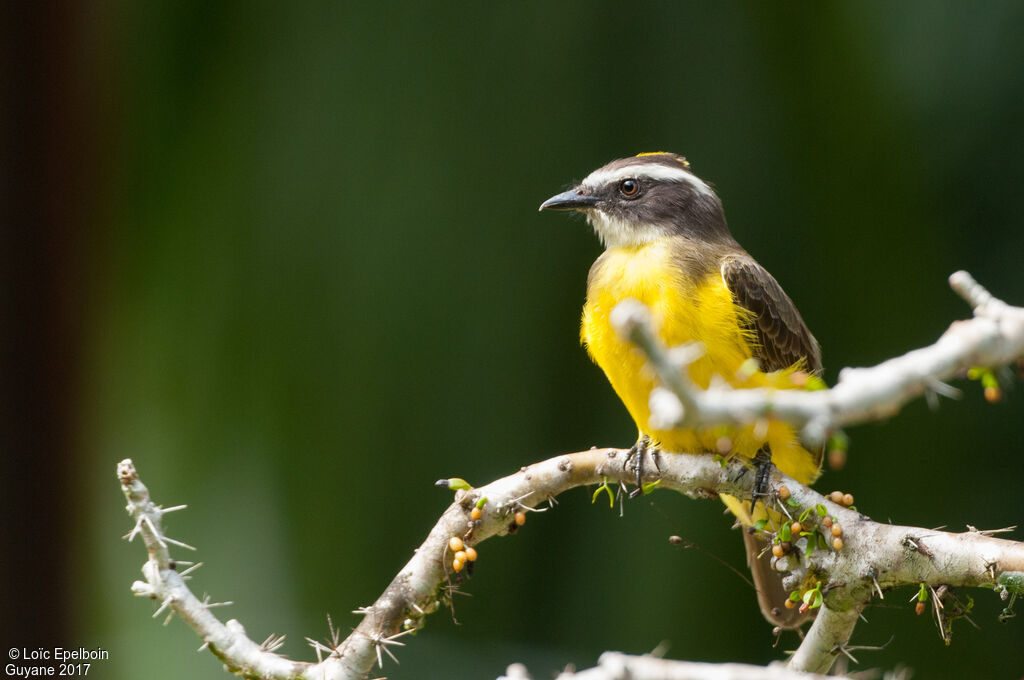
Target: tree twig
pixel 619 666
pixel 994 337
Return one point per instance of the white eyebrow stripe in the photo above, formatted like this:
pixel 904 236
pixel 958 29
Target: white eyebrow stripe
pixel 655 171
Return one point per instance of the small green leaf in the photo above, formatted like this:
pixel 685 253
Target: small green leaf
pixel 821 510
pixel 922 593
pixel 1012 582
pixel 784 533
pixel 455 484
pixel 804 514
pixel 792 502
pixel 482 502
pixel 839 440
pixel 760 524
pixel 604 487
pixel 649 487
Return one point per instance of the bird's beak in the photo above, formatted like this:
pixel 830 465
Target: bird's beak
pixel 574 199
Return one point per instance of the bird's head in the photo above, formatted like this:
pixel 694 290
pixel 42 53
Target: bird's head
pixel 636 200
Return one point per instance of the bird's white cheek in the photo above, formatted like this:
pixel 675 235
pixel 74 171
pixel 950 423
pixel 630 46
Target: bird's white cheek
pixel 615 232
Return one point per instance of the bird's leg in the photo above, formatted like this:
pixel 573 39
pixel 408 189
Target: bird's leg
pixel 763 468
pixel 636 455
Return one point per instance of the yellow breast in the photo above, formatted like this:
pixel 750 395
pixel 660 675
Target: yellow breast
pixel 684 309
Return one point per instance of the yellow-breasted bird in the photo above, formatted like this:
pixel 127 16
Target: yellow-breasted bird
pixel 667 245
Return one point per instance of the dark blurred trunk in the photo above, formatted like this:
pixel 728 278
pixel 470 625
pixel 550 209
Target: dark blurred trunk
pixel 47 177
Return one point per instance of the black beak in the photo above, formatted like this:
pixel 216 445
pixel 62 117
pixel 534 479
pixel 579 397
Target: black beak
pixel 574 199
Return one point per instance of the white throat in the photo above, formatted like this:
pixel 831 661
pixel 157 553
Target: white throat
pixel 618 233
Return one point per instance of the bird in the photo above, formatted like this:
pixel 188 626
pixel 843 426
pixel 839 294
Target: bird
pixel 667 244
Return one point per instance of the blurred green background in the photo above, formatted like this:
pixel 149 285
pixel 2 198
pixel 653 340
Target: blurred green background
pixel 288 259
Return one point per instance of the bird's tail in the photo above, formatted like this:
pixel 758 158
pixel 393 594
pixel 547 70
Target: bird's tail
pixel 771 594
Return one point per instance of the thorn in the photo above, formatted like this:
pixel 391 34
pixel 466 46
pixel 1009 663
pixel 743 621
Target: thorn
pixel 991 532
pixel 136 530
pixel 191 569
pixel 382 642
pixel 166 603
pixel 210 605
pixel 272 643
pixel 319 647
pixel 203 646
pixel 178 543
pixel 173 508
pixel 152 527
pixel 335 632
pixel 940 388
pixel 918 545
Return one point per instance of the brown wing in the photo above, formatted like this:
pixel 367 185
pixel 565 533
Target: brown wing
pixel 782 335
pixel 783 340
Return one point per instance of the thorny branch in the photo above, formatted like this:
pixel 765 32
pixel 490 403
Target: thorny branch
pixel 876 557
pixel 993 338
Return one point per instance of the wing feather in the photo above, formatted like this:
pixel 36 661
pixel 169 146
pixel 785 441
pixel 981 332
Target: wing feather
pixel 782 336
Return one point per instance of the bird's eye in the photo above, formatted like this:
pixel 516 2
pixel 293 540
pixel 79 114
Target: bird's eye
pixel 630 188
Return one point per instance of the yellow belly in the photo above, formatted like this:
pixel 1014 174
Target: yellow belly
pixel 683 311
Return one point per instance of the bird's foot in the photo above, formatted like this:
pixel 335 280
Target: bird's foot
pixel 763 472
pixel 636 456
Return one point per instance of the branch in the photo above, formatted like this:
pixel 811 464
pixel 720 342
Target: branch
pixel 876 557
pixel 994 337
pixel 619 666
pixel 838 579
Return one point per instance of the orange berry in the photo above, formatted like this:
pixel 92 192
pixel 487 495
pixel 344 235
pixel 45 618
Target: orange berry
pixel 455 543
pixel 796 528
pixel 777 550
pixel 790 604
pixel 836 459
pixel 783 492
pixel 461 556
pixel 837 543
pixel 919 608
pixel 520 518
pixel 457 565
pixel 826 522
pixel 837 530
pixel 847 499
pixel 804 607
pixel 476 513
pixel 993 394
pixel 836 497
pixel 470 554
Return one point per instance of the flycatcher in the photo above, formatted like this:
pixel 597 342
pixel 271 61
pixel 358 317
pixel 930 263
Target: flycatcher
pixel 667 245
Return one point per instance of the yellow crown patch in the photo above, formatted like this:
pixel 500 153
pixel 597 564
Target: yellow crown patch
pixel 685 163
